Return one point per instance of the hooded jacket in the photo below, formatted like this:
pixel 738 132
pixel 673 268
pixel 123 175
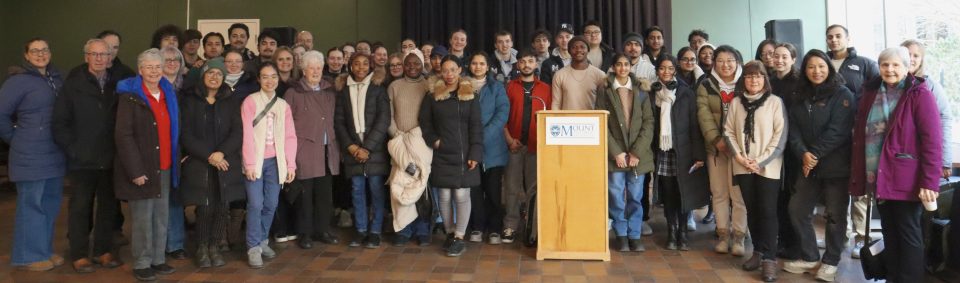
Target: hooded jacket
pixel 452 117
pixel 635 138
pixel 138 143
pixel 26 110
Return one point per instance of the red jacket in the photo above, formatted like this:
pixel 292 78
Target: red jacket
pixel 515 119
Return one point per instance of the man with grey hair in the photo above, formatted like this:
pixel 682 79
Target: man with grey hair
pixel 313 99
pixel 146 136
pixel 84 113
pixel 305 38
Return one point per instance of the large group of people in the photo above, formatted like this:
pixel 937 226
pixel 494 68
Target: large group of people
pixel 270 146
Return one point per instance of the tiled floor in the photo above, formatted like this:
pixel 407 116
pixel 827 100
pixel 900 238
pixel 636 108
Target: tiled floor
pixel 481 263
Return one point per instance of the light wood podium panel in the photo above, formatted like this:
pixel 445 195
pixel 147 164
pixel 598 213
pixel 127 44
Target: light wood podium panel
pixel 572 185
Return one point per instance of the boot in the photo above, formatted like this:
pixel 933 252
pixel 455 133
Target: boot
pixel 622 244
pixel 769 270
pixel 216 259
pixel 672 237
pixel 736 248
pixel 202 257
pixel 682 239
pixel 235 233
pixel 723 245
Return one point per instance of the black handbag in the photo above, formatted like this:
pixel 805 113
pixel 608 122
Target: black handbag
pixel 871 254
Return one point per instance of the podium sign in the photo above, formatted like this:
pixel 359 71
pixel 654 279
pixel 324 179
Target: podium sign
pixel 572 185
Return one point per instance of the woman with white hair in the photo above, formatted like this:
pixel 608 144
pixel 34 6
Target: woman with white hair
pixel 897 129
pixel 147 160
pixel 173 66
pixel 312 100
pixel 173 71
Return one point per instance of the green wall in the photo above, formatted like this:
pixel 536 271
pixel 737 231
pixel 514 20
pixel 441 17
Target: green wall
pixel 68 24
pixel 739 23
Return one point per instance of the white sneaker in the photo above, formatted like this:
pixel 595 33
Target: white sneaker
pixel 827 273
pixel 855 253
pixel 494 238
pixel 800 266
pixel 821 244
pixel 507 236
pixel 646 230
pixel 266 251
pixel 476 236
pixel 691 223
pixel 281 238
pixel 254 259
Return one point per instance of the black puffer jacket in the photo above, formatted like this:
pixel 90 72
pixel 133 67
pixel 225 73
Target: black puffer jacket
pixel 821 124
pixel 453 118
pixel 198 143
pixel 787 88
pixel 376 122
pixel 85 113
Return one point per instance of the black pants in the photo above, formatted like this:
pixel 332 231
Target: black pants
pixel 809 192
pixel 789 244
pixel 672 201
pixel 91 186
pixel 760 197
pixel 342 191
pixel 902 239
pixel 314 207
pixel 645 200
pixel 487 212
pixel 211 225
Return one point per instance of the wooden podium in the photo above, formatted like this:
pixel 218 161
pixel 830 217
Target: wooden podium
pixel 572 185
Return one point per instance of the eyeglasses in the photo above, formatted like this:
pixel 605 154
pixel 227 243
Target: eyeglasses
pixel 727 62
pixel 171 60
pixel 753 77
pixel 39 51
pixel 98 55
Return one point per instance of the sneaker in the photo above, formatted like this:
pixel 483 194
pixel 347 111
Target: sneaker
pixel 400 240
pixel 163 268
pixel 358 240
pixel 827 273
pixel 821 244
pixel 178 254
pixel 646 230
pixel 709 218
pixel 327 238
pixel 145 274
pixel 448 241
pixel 855 253
pixel 266 251
pixel 254 257
pixel 281 238
pixel 801 266
pixel 373 241
pixel 424 240
pixel 457 247
pixel 691 223
pixel 476 236
pixel 292 237
pixel 507 236
pixel 494 239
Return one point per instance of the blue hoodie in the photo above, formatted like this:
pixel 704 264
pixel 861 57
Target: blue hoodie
pixel 134 86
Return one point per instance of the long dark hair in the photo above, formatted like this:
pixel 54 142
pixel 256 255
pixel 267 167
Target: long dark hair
pixel 687 77
pixel 765 42
pixel 833 80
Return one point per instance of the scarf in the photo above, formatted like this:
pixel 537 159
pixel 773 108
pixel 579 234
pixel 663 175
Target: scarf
pixel 751 103
pixel 233 79
pixel 727 90
pixel 666 95
pixel 358 98
pixel 477 83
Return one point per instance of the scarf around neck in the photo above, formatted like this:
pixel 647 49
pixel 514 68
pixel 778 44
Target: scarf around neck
pixel 665 99
pixel 751 103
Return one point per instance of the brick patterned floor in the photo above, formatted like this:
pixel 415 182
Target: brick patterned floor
pixel 480 263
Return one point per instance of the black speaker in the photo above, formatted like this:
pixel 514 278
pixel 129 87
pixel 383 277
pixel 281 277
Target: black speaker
pixel 786 31
pixel 286 36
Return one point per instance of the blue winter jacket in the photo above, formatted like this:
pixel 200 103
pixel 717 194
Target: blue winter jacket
pixel 494 109
pixel 26 115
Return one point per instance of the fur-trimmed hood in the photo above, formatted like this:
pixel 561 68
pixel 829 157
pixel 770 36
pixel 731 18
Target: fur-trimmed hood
pixel 440 91
pixel 379 76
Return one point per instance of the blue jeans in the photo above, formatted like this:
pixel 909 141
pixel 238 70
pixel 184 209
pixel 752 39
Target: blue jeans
pixel 38 203
pixel 263 194
pixel 419 227
pixel 377 194
pixel 626 192
pixel 175 233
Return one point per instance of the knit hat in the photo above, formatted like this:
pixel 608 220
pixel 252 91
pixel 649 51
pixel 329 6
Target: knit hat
pixel 632 36
pixel 215 63
pixel 576 39
pixel 416 52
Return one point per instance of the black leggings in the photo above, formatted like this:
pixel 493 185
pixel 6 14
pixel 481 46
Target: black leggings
pixel 672 201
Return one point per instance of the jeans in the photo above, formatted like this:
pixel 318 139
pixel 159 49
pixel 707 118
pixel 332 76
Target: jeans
pixel 419 227
pixel 377 194
pixel 760 197
pixel 486 215
pixel 149 220
pixel 38 203
pixel 902 239
pixel 175 233
pixel 809 192
pixel 263 194
pixel 626 210
pixel 91 188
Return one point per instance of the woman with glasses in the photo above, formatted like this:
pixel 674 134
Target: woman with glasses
pixel 765 52
pixel 755 131
pixel 36 164
pixel 688 73
pixel 714 95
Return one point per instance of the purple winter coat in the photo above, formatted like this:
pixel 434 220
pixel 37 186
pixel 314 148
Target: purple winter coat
pixel 912 151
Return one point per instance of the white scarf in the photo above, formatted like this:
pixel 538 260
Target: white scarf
pixel 724 86
pixel 358 100
pixel 665 99
pixel 233 79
